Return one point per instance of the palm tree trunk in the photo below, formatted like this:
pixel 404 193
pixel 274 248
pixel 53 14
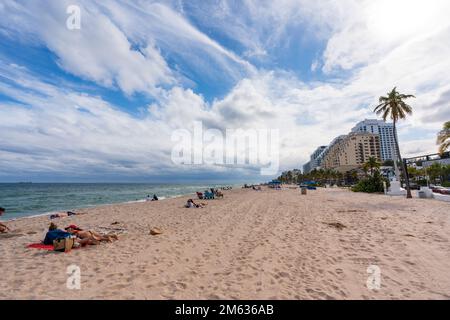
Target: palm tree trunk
pixel 408 189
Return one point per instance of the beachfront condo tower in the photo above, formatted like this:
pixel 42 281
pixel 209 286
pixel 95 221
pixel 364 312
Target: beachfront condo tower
pixel 315 160
pixel 386 133
pixel 351 151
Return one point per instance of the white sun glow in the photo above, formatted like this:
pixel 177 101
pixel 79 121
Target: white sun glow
pixel 394 19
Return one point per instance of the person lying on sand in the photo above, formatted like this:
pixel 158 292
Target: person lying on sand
pixel 65 214
pixel 3 228
pixel 54 233
pixel 191 204
pixel 90 237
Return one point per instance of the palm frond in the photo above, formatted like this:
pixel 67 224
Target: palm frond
pixel 444 146
pixel 405 96
pixel 386 114
pixel 393 105
pixel 443 138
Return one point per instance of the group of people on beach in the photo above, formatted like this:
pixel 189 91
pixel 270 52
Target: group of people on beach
pixel 81 237
pixel 154 198
pixel 88 237
pixel 257 188
pixel 211 194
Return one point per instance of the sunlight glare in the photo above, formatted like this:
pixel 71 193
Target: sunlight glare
pixel 393 19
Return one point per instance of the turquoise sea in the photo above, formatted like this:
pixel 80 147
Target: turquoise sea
pixel 28 199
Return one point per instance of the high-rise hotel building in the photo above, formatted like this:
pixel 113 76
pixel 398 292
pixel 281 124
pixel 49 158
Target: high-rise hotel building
pixel 386 133
pixel 350 152
pixel 315 160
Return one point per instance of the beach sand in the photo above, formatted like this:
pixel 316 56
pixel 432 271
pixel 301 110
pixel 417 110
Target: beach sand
pixel 251 245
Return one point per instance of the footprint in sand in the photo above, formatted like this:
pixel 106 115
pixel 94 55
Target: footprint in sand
pixel 181 285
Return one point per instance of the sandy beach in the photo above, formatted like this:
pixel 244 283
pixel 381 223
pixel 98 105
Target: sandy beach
pixel 250 245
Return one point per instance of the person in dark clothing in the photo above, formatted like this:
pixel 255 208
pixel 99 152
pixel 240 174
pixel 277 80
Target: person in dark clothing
pixel 54 233
pixel 155 198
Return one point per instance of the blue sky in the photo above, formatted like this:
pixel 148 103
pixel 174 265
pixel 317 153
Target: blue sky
pixel 102 101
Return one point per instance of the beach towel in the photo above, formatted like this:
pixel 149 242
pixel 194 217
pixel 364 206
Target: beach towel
pixel 41 246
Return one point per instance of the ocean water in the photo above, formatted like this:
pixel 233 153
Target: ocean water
pixel 28 199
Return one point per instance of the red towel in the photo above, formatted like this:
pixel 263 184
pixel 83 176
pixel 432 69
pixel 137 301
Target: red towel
pixel 41 246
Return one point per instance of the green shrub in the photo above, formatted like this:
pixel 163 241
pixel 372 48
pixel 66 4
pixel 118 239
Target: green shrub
pixel 373 184
pixel 446 184
pixel 422 182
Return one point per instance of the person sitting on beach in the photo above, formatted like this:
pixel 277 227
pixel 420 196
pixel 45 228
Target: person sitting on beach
pixel 208 195
pixel 218 194
pixel 3 227
pixel 90 237
pixel 199 195
pixel 155 198
pixel 54 233
pixel 191 204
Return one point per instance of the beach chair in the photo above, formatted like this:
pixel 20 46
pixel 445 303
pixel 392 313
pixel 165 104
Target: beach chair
pixel 208 195
pixel 200 195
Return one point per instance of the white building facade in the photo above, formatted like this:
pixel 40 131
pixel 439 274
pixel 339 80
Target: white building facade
pixel 315 160
pixel 386 133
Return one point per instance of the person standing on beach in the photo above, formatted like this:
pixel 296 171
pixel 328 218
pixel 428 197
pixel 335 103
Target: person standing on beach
pixel 3 228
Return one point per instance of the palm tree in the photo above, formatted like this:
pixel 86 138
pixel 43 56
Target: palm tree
pixel 371 164
pixel 394 107
pixel 443 138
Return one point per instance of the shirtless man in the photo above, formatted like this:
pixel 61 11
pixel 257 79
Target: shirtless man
pixel 90 237
pixel 3 228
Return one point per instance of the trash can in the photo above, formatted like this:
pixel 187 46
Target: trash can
pixel 422 195
pixel 303 191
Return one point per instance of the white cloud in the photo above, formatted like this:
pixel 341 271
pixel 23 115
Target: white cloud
pixel 118 43
pixel 58 128
pixel 99 51
pixel 371 29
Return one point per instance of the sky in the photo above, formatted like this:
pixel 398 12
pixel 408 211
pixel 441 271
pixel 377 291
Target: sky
pixel 101 102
